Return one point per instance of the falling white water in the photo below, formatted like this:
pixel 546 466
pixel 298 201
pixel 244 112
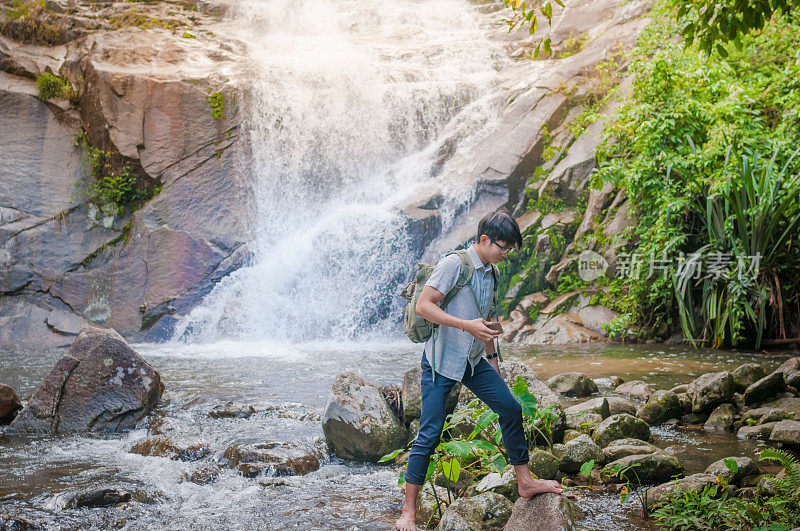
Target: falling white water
pixel 351 103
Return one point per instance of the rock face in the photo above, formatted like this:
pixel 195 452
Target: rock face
pixel 358 423
pixel 543 512
pixel 486 511
pixel 9 404
pixel 100 384
pixel 620 426
pixel 68 262
pixel 711 390
pixel 572 384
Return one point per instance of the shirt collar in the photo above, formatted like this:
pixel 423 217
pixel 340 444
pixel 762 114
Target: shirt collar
pixel 476 260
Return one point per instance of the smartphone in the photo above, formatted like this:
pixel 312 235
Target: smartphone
pixel 496 326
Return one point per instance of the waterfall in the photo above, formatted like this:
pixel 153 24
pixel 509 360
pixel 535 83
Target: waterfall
pixel 351 103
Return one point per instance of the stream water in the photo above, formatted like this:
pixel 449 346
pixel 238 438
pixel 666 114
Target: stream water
pixel 290 387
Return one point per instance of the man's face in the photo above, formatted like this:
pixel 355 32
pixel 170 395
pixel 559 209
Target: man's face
pixel 495 250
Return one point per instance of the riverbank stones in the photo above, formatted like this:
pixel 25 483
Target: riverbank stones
pixel 660 407
pixel 764 389
pixel 657 467
pixel 9 404
pixel 620 426
pixel 636 389
pixel 710 390
pixel 721 418
pixel 572 384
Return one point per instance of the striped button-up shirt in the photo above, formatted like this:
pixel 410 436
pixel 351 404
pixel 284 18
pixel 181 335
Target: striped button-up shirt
pixel 454 348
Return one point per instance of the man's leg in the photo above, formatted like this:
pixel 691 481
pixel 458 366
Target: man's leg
pixel 433 412
pixel 490 387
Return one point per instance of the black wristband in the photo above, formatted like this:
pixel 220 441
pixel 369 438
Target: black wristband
pixel 492 356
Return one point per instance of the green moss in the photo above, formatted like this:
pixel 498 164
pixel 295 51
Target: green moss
pixel 50 86
pixel 217 103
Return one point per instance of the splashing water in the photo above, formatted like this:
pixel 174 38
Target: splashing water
pixel 351 105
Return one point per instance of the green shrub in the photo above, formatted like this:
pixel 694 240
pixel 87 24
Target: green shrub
pixel 50 86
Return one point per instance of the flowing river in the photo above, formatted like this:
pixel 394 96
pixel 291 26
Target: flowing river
pixel 352 104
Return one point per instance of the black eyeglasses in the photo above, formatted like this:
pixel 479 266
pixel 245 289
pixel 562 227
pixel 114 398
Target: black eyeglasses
pixel 503 249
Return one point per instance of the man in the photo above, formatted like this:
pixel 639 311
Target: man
pixel 454 353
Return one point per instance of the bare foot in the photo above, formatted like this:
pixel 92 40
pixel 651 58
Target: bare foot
pixel 406 522
pixel 538 486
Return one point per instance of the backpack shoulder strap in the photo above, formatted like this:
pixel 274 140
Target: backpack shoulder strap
pixel 464 276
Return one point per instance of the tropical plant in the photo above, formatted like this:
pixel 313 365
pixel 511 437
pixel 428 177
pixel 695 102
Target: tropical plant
pixel 750 229
pixel 633 485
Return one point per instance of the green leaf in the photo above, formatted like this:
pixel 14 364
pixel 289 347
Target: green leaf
pixel 722 51
pixel 431 468
pixel 402 479
pixel 392 455
pixel 460 448
pixel 732 465
pixel 452 469
pixel 586 468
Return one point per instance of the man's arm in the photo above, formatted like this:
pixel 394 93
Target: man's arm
pixel 428 308
pixel 494 362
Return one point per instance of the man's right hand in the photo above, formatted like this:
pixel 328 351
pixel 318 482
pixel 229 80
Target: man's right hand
pixel 479 330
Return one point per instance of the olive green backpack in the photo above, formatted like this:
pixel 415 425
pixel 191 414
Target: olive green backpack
pixel 420 330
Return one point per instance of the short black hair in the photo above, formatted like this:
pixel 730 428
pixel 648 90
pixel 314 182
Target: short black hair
pixel 500 226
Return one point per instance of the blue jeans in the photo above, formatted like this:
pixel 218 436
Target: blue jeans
pixel 487 385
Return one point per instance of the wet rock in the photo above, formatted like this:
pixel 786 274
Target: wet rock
pixel 429 502
pixel 746 375
pixel 616 381
pixel 636 389
pixel 721 418
pixel 584 422
pixel 15 522
pixel 504 484
pixel 100 384
pixel 626 447
pixel 357 422
pixel 483 512
pixel 738 401
pixel 595 405
pixel 95 498
pixel 657 467
pixel 686 402
pixel 232 410
pixel 161 446
pixel 791 405
pixel 660 494
pixel 572 384
pixel 203 475
pixel 662 406
pixel 710 390
pixel 617 405
pixel 694 418
pixel 774 415
pixel 620 426
pixel 412 394
pixel 570 434
pixel 543 464
pixel 764 389
pixel 282 459
pixel 576 452
pixel 760 432
pixel 678 389
pixel 791 372
pixel 9 404
pixel 543 512
pixel 746 467
pixel 786 432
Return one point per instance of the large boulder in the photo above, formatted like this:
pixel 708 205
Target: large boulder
pixel 9 404
pixel 710 390
pixel 572 384
pixel 584 422
pixel 721 418
pixel 652 468
pixel 786 432
pixel 760 431
pixel 485 511
pixel 660 494
pixel 100 384
pixel 636 389
pixel 543 512
pixel 618 405
pixel 764 389
pixel 620 426
pixel 576 452
pixel 661 407
pixel 411 393
pixel 625 447
pixel 596 405
pixel 161 446
pixel 746 375
pixel 358 423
